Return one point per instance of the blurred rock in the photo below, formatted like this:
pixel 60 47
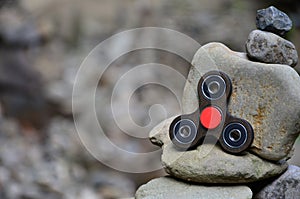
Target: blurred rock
pixel 270 48
pixel 17 31
pixel 273 20
pixel 112 184
pixel 22 92
pixel 168 188
pixel 22 88
pixel 8 3
pixel 59 169
pixel 286 186
pixel 273 89
pixel 210 164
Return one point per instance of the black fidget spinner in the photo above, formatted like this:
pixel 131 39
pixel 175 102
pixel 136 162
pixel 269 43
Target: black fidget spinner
pixel 234 134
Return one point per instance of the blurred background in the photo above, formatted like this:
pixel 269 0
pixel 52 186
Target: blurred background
pixel 42 44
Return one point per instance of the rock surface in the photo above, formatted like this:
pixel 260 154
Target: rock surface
pixel 273 20
pixel 270 48
pixel 168 188
pixel 266 95
pixel 286 186
pixel 209 163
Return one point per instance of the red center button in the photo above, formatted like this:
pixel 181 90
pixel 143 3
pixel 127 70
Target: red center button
pixel 210 117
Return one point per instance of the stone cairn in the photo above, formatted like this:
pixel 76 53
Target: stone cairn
pixel 266 93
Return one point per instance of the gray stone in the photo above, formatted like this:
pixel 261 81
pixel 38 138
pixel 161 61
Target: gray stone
pixel 273 20
pixel 266 95
pixel 286 186
pixel 270 48
pixel 209 163
pixel 168 188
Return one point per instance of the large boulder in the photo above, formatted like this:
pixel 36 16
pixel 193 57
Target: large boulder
pixel 168 188
pixel 266 95
pixel 209 163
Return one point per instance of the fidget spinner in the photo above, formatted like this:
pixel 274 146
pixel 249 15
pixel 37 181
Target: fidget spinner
pixel 234 134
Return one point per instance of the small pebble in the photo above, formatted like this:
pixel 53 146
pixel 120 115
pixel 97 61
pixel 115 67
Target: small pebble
pixel 273 20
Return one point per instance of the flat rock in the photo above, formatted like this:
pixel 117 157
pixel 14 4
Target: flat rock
pixel 266 95
pixel 270 48
pixel 286 186
pixel 168 188
pixel 209 163
pixel 273 20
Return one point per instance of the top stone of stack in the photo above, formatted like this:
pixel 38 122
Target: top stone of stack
pixel 273 20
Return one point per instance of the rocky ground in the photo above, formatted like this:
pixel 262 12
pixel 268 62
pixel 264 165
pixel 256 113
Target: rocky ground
pixel 42 44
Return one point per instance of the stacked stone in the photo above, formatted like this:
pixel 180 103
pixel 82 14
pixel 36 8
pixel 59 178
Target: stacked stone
pixel 266 44
pixel 266 95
